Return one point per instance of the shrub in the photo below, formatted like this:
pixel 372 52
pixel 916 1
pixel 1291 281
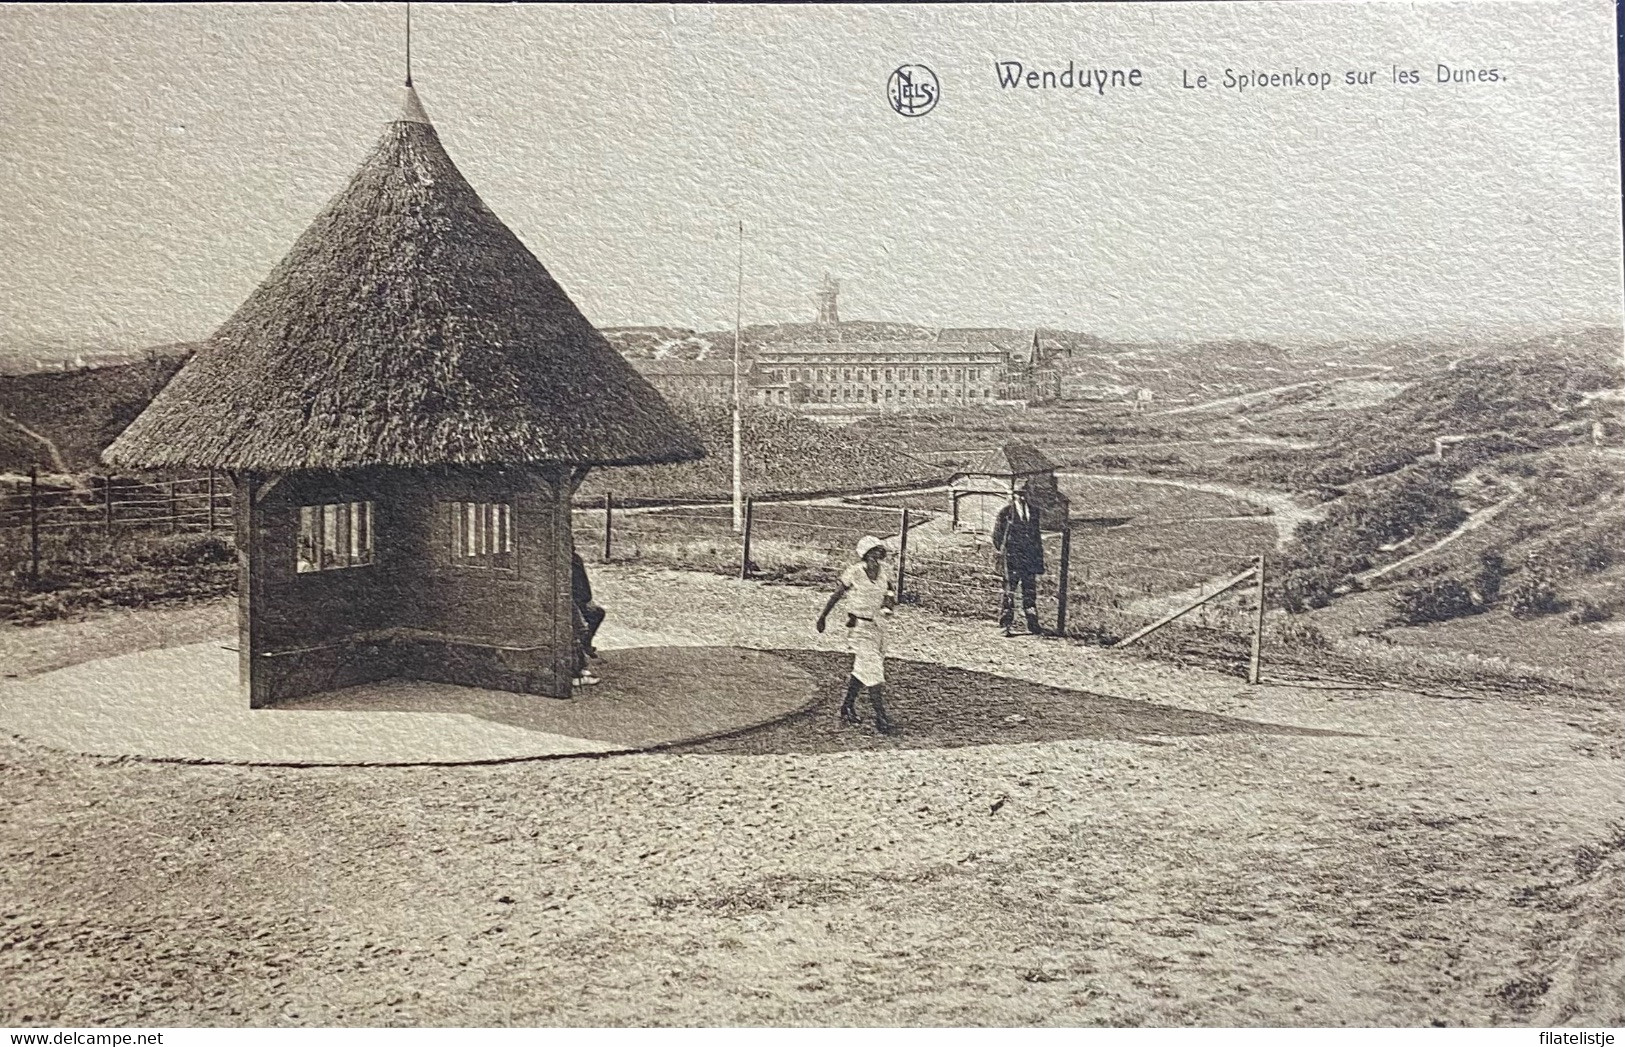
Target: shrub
pixel 1437 601
pixel 1593 554
pixel 189 550
pixel 1310 588
pixel 1533 597
pixel 1491 570
pixel 1591 611
pixel 1295 634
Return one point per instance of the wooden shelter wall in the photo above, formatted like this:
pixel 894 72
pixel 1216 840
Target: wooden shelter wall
pixel 411 612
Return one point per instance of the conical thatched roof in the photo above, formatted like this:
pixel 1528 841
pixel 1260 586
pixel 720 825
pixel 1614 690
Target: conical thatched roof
pixel 407 326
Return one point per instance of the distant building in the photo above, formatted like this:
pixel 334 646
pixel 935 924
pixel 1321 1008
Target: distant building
pixel 764 390
pixel 820 370
pixel 691 380
pixel 884 375
pixel 85 361
pixel 1605 432
pixel 953 367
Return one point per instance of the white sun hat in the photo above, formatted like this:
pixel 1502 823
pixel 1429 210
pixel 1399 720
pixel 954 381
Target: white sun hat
pixel 868 542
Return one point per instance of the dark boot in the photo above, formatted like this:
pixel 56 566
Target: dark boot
pixel 849 707
pixel 883 723
pixel 1032 623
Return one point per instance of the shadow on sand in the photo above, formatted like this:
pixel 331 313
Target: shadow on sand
pixel 942 707
pixel 649 696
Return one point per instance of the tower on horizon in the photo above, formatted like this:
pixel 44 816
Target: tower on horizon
pixel 827 292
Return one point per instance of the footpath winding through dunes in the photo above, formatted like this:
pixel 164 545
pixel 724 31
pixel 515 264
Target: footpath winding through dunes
pixel 1283 510
pixel 1200 852
pixel 57 461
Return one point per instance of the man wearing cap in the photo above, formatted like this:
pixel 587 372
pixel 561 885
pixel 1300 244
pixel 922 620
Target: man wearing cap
pixel 865 594
pixel 1020 543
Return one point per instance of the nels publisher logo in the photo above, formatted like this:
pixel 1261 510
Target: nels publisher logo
pixel 912 90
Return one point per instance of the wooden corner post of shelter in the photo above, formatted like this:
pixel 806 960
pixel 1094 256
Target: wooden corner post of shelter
pixel 245 495
pixel 563 652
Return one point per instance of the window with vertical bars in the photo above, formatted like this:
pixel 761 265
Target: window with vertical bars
pixel 481 534
pixel 335 535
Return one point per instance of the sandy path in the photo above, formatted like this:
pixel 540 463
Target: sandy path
pixel 1475 519
pixel 1283 510
pixel 1241 398
pixel 1449 861
pixel 58 463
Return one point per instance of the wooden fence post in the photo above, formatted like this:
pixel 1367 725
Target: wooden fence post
pixel 33 524
pixel 902 556
pixel 1255 663
pixel 744 556
pixel 1188 608
pixel 609 511
pixel 107 505
pixel 1061 595
pixel 174 510
pixel 211 501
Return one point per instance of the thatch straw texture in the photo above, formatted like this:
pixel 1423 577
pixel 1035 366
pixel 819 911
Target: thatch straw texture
pixel 407 326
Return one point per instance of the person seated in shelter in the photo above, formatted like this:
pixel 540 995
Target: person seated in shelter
pixel 588 617
pixel 865 595
pixel 1020 543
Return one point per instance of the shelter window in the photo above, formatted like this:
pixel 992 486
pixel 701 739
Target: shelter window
pixel 481 534
pixel 335 535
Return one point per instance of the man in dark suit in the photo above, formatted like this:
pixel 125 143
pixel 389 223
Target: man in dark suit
pixel 1020 544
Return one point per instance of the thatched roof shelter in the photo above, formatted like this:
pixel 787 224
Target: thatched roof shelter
pixel 408 326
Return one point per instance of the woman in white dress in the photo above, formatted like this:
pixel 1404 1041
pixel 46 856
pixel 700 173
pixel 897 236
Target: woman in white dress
pixel 865 595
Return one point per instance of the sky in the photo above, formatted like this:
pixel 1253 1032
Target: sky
pixel 157 161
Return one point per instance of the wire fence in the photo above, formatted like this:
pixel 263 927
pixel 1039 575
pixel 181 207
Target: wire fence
pixel 1103 584
pixel 40 518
